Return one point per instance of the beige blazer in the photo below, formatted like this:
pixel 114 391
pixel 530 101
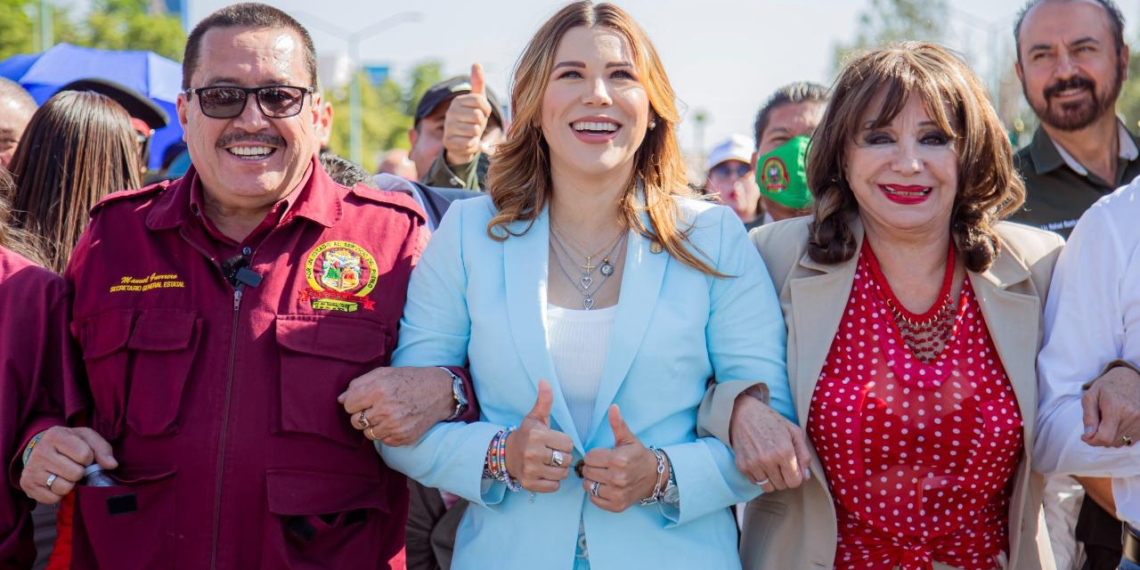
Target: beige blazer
pixel 796 529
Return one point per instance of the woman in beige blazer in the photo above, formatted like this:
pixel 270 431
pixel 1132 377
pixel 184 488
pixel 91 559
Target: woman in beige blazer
pixel 913 321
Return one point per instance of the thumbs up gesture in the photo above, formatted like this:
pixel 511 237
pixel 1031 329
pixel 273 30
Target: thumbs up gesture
pixel 466 120
pixel 534 450
pixel 625 474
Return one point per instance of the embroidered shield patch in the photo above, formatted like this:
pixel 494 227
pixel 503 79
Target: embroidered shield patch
pixel 341 274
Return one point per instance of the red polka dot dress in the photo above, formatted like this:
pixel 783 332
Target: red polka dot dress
pixel 919 454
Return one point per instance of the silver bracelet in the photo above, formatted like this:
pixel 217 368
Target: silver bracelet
pixel 671 495
pixel 658 490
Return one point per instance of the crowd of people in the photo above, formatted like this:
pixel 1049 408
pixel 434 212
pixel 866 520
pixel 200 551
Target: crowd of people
pixel 529 342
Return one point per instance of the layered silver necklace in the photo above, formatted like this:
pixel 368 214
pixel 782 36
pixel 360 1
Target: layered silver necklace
pixel 585 282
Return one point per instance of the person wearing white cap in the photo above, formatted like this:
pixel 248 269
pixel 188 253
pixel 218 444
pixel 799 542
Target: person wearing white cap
pixel 730 177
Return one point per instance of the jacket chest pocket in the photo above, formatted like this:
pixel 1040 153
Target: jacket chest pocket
pixel 137 364
pixel 320 356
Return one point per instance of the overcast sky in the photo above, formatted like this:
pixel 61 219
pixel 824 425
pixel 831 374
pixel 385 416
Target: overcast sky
pixel 723 56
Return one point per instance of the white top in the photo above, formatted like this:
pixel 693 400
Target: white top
pixel 1092 317
pixel 579 341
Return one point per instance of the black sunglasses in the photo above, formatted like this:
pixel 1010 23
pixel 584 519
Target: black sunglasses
pixel 731 168
pixel 275 101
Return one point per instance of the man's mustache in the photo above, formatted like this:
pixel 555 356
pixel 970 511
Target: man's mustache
pixel 1071 83
pixel 264 138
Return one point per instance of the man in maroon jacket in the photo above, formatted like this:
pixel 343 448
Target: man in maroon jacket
pixel 221 316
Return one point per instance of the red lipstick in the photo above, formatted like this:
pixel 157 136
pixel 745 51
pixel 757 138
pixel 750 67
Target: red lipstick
pixel 905 194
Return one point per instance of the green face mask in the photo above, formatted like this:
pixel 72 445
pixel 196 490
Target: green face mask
pixel 780 174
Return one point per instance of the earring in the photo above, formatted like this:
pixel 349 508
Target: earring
pixel 652 124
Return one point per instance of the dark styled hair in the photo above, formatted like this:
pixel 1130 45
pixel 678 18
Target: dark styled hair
pixel 78 147
pixel 345 172
pixel 798 92
pixel 247 15
pixel 874 88
pixel 1115 21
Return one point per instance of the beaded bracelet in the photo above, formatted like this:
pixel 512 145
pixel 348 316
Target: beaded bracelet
pixel 511 482
pixel 499 464
pixel 495 466
pixel 491 463
pixel 31 445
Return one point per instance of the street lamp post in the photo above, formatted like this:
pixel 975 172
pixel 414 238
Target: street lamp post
pixel 701 118
pixel 992 29
pixel 356 151
pixel 355 122
pixel 46 33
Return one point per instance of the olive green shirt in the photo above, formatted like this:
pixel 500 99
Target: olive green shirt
pixel 470 176
pixel 1056 192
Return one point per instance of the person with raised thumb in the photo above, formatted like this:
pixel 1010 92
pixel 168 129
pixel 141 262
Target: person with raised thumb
pixel 590 264
pixel 619 477
pixel 466 121
pixel 458 123
pixel 537 456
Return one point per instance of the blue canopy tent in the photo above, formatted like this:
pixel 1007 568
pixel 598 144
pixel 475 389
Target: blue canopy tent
pixel 154 76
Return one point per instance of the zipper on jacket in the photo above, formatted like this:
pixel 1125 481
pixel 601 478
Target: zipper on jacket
pixel 237 296
pixel 239 291
pixel 226 414
pixel 218 479
pixel 235 324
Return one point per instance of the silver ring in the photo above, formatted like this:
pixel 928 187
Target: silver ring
pixel 51 479
pixel 594 488
pixel 363 421
pixel 371 434
pixel 1127 440
pixel 556 458
pixel 763 482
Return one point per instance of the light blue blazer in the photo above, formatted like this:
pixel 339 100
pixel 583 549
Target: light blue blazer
pixel 482 302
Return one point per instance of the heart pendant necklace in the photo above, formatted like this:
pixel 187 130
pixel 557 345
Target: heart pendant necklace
pixel 585 281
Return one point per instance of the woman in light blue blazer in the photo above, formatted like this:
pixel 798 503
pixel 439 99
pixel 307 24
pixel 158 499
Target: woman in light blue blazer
pixel 592 300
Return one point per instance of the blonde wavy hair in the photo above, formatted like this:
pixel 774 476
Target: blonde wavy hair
pixel 519 179
pixel 988 187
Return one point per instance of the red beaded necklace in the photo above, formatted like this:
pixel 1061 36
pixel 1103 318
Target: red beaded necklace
pixel 927 333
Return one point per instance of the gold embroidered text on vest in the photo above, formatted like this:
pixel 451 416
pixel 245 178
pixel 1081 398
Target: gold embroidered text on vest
pixel 131 284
